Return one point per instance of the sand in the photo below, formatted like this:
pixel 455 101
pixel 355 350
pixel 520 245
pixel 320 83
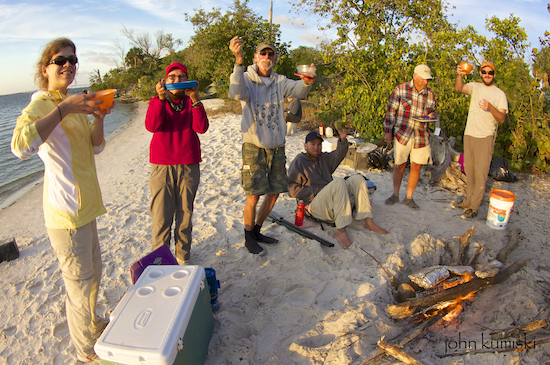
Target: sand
pixel 302 303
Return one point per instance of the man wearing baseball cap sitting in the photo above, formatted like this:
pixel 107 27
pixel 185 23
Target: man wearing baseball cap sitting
pixel 310 179
pixel 488 108
pixel 409 101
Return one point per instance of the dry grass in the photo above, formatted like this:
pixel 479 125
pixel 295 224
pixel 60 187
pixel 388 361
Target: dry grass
pixel 229 106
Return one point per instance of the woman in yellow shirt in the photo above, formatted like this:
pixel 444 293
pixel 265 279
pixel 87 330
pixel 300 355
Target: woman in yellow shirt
pixel 57 128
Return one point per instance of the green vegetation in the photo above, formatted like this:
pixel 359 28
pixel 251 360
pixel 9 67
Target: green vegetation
pixel 377 47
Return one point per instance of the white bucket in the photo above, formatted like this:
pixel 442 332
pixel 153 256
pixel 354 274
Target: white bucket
pixel 501 204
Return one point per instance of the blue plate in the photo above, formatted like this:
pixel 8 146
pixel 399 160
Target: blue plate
pixel 181 85
pixel 425 119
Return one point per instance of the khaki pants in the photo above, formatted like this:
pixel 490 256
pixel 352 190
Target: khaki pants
pixel 173 189
pixel 79 258
pixel 336 200
pixel 478 153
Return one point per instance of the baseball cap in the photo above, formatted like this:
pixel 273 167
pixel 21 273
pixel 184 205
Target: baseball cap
pixel 423 71
pixel 173 66
pixel 264 45
pixel 312 135
pixel 487 64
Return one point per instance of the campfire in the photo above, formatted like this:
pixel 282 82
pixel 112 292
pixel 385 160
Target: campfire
pixel 434 296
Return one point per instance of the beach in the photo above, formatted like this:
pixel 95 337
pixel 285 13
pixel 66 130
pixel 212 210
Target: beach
pixel 302 303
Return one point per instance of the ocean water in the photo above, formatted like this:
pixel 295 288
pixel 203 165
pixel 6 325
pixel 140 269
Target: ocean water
pixel 16 173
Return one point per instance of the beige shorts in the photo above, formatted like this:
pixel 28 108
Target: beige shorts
pixel 401 153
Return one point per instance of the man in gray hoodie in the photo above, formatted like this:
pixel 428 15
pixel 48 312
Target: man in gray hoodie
pixel 310 180
pixel 262 93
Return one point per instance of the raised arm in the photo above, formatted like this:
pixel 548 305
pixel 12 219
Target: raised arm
pixel 459 82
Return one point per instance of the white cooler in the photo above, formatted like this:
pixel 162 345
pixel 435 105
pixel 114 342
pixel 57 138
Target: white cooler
pixel 165 318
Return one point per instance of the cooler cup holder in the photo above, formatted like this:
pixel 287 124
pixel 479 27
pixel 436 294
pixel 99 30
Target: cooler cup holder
pixel 145 291
pixel 154 274
pixel 172 291
pixel 178 275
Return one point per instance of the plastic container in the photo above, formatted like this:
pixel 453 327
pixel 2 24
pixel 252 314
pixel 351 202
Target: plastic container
pixel 501 205
pixel 107 96
pixel 321 130
pixel 329 144
pixel 300 212
pixel 329 132
pixel 466 67
pixel 165 318
pixel 306 70
pixel 181 85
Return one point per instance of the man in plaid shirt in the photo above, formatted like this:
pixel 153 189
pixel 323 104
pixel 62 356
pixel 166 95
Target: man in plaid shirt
pixel 410 136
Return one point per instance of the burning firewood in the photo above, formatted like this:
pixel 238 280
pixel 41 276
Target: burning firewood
pixel 398 353
pixel 515 331
pixel 411 306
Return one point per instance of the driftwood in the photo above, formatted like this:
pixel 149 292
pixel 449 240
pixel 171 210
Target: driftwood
pixel 403 339
pixel 398 353
pixel 511 246
pixel 409 307
pixel 463 246
pixel 473 260
pixel 515 331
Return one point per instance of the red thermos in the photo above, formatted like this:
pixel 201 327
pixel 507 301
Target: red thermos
pixel 300 212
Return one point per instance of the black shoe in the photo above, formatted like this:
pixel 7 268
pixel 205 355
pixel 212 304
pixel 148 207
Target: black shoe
pixel 411 204
pixel 251 243
pixel 392 200
pixel 264 239
pixel 469 214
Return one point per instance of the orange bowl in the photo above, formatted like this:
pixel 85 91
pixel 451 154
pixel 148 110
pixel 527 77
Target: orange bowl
pixel 107 96
pixel 466 67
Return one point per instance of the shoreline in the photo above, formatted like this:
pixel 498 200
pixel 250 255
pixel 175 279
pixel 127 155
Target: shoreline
pixel 8 199
pixel 302 303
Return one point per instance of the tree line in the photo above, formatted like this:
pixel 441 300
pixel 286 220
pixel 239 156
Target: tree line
pixel 377 46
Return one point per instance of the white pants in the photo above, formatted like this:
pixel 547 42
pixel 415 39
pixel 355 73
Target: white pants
pixel 336 200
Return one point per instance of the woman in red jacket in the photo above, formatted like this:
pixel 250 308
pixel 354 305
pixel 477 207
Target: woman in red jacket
pixel 174 118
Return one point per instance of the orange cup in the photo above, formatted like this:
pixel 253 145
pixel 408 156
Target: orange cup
pixel 107 96
pixel 466 67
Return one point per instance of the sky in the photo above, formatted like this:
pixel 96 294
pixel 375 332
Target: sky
pixel 95 26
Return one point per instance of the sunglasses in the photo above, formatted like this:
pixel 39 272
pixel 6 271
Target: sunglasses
pixel 263 52
pixel 483 72
pixel 176 77
pixel 61 60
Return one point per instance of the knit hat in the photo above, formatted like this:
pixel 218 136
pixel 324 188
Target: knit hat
pixel 173 66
